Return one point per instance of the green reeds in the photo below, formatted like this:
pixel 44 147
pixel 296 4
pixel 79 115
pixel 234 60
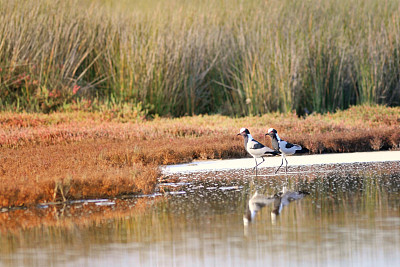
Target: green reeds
pixel 194 57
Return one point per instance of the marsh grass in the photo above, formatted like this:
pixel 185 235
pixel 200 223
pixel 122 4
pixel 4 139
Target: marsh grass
pixel 180 57
pixel 73 171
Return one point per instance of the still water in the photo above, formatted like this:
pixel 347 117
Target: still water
pixel 349 215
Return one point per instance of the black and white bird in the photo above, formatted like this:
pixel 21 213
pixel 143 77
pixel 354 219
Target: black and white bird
pixel 256 203
pixel 284 197
pixel 279 200
pixel 255 148
pixel 285 148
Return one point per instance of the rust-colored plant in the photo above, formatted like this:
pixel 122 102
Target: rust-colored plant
pixel 65 156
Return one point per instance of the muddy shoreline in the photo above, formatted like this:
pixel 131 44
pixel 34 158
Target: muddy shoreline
pixel 274 162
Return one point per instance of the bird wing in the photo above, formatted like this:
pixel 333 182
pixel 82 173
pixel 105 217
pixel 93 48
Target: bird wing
pixel 262 199
pixel 258 201
pixel 271 151
pixel 287 147
pixel 256 149
pixel 253 144
pixel 291 196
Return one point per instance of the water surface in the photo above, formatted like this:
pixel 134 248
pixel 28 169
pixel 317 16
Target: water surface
pixel 351 217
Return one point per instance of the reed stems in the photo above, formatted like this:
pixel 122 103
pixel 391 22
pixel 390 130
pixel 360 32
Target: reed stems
pixel 180 57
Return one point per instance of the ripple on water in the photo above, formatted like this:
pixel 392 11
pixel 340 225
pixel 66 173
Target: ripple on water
pixel 346 204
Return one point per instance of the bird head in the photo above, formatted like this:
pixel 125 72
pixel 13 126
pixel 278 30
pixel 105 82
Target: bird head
pixel 271 132
pixel 243 132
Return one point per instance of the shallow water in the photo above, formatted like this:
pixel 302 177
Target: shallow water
pixel 351 217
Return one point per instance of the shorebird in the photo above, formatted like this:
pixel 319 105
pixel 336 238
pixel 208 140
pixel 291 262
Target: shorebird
pixel 256 203
pixel 284 147
pixel 279 200
pixel 255 148
pixel 284 197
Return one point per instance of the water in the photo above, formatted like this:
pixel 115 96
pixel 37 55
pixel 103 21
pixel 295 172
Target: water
pixel 351 217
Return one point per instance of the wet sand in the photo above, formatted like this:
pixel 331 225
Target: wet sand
pixel 246 163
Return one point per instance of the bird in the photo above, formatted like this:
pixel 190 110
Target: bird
pixel 255 148
pixel 284 197
pixel 285 148
pixel 256 203
pixel 279 200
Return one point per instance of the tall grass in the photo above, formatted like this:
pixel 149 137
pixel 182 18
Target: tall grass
pixel 178 57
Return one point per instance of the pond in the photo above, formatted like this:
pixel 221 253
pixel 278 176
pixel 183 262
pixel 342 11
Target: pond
pixel 347 215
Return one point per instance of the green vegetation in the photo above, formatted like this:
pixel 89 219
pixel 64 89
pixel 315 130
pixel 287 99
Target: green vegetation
pixel 178 57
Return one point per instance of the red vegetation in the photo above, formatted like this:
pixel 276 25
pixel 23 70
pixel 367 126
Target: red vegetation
pixel 64 156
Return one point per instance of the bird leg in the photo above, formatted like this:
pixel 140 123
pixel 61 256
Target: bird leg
pixel 258 163
pixel 286 163
pixel 281 164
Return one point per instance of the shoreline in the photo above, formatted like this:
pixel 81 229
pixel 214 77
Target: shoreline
pixel 314 159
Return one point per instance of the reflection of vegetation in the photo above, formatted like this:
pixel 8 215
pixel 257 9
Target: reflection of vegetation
pixel 365 190
pixel 349 196
pixel 63 221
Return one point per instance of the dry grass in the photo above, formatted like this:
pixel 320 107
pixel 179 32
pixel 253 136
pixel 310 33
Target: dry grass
pixel 64 156
pixel 69 171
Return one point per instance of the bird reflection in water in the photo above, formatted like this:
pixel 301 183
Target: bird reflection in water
pixel 279 200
